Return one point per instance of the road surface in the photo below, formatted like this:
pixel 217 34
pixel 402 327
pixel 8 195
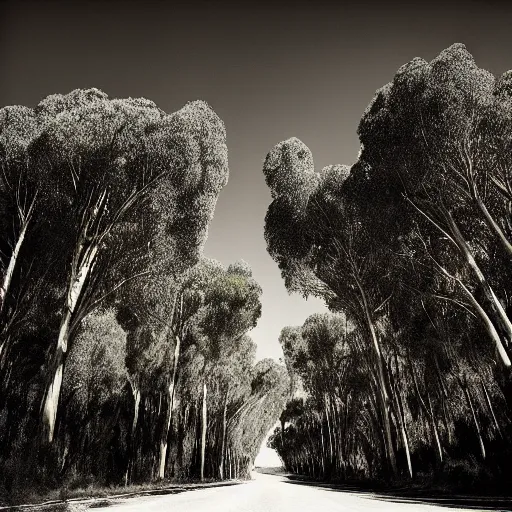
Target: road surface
pixel 269 493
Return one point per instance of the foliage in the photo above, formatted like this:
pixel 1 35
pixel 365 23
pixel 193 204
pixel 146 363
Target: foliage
pixel 111 321
pixel 412 244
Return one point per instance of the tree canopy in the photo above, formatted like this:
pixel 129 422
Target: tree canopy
pixel 411 243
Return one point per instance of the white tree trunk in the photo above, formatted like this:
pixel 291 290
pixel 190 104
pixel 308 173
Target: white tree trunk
pixel 329 431
pixel 384 398
pixel 53 391
pixel 171 391
pixel 6 283
pixel 491 330
pixel 163 455
pixel 136 396
pixel 435 431
pixel 492 224
pixel 51 402
pixel 223 443
pixel 475 420
pixel 406 447
pixel 486 287
pixel 203 432
pixel 491 409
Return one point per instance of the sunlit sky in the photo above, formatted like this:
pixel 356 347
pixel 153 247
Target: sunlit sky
pixel 267 457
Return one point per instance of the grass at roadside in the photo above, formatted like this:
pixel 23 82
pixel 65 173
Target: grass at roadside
pixel 79 499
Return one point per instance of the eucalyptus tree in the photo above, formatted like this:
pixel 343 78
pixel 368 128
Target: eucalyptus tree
pixel 175 306
pixel 254 416
pixel 18 125
pixel 433 240
pixel 439 134
pixel 148 358
pixel 290 339
pixel 206 313
pixel 231 374
pixel 231 308
pixel 329 356
pixel 93 387
pixel 316 231
pixel 19 215
pixel 116 176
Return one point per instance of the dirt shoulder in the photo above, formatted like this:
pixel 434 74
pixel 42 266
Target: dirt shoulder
pixel 84 499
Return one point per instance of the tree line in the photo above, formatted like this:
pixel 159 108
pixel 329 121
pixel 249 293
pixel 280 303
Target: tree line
pixel 409 375
pixel 124 353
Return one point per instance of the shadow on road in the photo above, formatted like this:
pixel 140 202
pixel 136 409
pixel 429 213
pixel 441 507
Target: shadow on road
pixel 406 495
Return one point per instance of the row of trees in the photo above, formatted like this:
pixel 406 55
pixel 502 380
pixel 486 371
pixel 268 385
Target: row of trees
pixel 411 245
pixel 124 354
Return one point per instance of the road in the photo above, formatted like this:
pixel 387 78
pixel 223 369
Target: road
pixel 268 493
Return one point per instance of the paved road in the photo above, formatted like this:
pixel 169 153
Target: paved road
pixel 268 493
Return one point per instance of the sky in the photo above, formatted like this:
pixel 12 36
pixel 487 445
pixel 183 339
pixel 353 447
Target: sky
pixel 271 70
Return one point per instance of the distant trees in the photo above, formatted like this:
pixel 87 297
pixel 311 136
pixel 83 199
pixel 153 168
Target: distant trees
pixel 117 339
pixel 411 243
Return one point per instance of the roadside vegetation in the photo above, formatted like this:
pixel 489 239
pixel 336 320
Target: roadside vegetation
pixel 408 378
pixel 124 354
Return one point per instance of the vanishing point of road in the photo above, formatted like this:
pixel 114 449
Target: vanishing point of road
pixel 272 493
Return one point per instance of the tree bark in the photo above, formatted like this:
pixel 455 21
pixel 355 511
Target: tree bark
pixel 383 394
pixel 73 296
pixel 52 394
pixel 405 440
pixel 493 226
pixel 491 409
pixel 136 397
pixel 25 220
pixel 403 430
pixel 223 443
pixel 486 287
pixel 6 283
pixel 203 432
pixel 329 431
pixel 475 420
pixel 489 325
pixel 167 425
pixel 435 432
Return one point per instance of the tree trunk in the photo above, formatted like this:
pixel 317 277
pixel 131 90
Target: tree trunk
pixel 491 223
pixel 475 420
pixel 403 431
pixel 491 330
pixel 329 431
pixel 491 409
pixel 73 296
pixel 203 432
pixel 136 397
pixel 435 432
pixel 51 400
pixel 406 446
pixel 223 443
pixel 323 457
pixel 499 311
pixel 383 394
pixel 6 283
pixel 167 425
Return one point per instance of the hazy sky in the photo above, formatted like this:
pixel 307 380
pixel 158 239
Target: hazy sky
pixel 271 70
